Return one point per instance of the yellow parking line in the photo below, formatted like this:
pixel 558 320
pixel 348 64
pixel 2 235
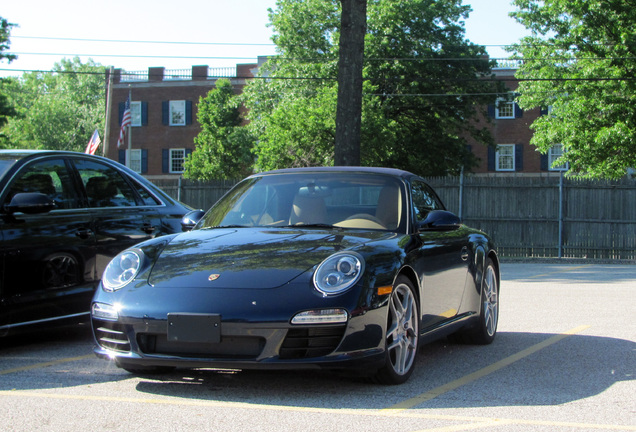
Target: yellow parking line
pixel 45 364
pixel 471 423
pixel 469 426
pixel 560 271
pixel 432 394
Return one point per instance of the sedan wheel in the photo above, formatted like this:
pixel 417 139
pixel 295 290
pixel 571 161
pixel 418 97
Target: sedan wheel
pixel 402 334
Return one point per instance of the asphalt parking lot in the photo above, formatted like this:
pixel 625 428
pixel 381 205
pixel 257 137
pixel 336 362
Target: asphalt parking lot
pixel 564 360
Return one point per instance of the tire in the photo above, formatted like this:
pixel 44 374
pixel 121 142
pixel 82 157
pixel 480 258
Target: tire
pixel 402 334
pixel 486 330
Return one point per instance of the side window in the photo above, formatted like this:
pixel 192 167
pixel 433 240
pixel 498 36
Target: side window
pixel 50 177
pixel 424 200
pixel 104 186
pixel 146 197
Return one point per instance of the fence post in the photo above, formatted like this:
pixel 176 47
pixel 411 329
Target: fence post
pixel 179 189
pixel 461 192
pixel 561 215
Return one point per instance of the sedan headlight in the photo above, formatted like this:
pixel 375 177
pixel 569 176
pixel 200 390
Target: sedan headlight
pixel 121 270
pixel 338 273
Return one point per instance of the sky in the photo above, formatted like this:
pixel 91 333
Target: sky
pixel 135 35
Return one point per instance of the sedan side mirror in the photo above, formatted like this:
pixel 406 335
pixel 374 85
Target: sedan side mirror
pixel 190 219
pixel 30 203
pixel 440 220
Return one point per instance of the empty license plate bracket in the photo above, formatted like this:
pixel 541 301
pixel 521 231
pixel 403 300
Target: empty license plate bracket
pixel 197 328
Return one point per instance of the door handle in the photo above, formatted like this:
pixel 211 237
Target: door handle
pixel 465 253
pixel 148 228
pixel 84 233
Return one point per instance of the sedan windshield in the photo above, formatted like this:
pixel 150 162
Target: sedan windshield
pixel 312 200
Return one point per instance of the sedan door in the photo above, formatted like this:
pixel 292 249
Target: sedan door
pixel 48 256
pixel 121 216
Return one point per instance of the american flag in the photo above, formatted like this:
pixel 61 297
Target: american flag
pixel 126 121
pixel 93 143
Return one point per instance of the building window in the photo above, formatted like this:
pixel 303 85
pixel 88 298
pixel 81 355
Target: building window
pixel 555 152
pixel 178 113
pixel 505 157
pixel 135 113
pixel 177 158
pixel 135 160
pixel 505 107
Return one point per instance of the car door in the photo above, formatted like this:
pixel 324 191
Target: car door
pixel 48 256
pixel 440 259
pixel 121 217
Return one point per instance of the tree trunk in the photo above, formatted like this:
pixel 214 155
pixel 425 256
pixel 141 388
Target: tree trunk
pixel 353 27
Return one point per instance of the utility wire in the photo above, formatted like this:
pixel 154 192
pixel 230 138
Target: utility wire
pixel 144 42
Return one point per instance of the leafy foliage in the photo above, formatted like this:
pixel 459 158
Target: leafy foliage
pixel 5 108
pixel 223 147
pixel 420 97
pixel 58 110
pixel 581 61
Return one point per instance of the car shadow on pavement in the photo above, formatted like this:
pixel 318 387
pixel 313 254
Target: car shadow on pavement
pixel 574 368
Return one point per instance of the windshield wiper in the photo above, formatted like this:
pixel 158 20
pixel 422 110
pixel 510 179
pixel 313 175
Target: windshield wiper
pixel 313 225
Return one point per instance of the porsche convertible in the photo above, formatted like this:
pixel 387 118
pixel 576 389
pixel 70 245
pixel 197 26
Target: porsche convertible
pixel 349 269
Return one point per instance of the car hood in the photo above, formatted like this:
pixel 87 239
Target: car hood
pixel 250 258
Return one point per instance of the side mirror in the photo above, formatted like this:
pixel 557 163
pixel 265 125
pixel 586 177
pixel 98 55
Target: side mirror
pixel 189 220
pixel 440 220
pixel 30 203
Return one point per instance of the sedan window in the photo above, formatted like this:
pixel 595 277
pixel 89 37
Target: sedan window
pixel 104 186
pixel 49 177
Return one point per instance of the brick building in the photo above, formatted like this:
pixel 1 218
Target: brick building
pixel 510 127
pixel 164 106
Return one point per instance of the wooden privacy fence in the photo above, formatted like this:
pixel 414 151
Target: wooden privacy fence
pixel 526 216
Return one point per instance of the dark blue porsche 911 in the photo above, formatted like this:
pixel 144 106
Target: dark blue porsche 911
pixel 339 268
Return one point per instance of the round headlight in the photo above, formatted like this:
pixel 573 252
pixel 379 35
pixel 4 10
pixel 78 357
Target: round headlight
pixel 338 273
pixel 121 270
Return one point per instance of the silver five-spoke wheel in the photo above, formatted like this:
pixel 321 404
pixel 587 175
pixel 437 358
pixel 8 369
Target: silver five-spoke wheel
pixel 402 334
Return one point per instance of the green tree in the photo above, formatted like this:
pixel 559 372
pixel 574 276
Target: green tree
pixel 6 110
pixel 223 147
pixel 421 93
pixel 59 110
pixel 580 61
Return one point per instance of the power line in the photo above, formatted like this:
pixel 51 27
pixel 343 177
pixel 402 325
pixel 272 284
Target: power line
pixel 144 42
pixel 136 56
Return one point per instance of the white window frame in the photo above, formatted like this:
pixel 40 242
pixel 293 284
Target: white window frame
pixel 555 152
pixel 502 157
pixel 135 113
pixel 134 160
pixel 177 113
pixel 174 158
pixel 508 101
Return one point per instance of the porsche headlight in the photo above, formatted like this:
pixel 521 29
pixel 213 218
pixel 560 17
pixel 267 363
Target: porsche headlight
pixel 338 273
pixel 121 270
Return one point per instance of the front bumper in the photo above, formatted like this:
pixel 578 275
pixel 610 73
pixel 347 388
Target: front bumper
pixel 359 344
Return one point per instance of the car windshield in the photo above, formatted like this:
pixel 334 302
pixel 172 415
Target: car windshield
pixel 323 199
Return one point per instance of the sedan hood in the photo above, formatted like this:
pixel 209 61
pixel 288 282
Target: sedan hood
pixel 249 257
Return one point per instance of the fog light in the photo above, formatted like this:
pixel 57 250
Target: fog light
pixel 321 316
pixel 104 311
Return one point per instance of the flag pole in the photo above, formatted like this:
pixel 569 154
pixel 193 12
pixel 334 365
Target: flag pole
pixel 109 102
pixel 129 152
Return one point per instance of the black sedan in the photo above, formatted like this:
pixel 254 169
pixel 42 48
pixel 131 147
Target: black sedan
pixel 338 268
pixel 63 217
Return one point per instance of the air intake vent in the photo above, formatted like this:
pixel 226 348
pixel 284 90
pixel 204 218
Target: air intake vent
pixel 311 342
pixel 111 335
